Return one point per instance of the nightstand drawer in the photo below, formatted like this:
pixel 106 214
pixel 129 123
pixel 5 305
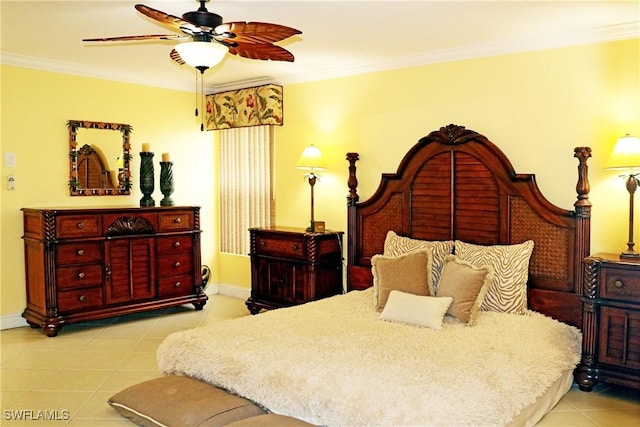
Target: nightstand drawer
pixel 620 284
pixel 291 247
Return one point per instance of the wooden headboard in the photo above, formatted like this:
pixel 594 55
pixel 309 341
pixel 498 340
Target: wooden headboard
pixel 455 184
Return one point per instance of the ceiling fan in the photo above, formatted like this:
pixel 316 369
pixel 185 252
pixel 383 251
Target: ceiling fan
pixel 210 38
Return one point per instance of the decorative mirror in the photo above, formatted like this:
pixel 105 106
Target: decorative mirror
pixel 99 158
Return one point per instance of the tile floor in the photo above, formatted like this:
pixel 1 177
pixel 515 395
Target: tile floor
pixel 71 376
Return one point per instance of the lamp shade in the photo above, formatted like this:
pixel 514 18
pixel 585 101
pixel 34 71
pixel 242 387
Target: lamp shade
pixel 626 154
pixel 311 159
pixel 202 54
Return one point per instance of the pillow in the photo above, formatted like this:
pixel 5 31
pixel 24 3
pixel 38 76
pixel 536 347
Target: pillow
pixel 466 284
pixel 508 290
pixel 181 401
pixel 395 245
pixel 408 273
pixel 415 309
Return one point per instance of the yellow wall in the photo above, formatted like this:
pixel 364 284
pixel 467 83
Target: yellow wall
pixel 35 108
pixel 535 106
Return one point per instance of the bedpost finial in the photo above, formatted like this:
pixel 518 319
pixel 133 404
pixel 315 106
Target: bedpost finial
pixel 352 182
pixel 582 187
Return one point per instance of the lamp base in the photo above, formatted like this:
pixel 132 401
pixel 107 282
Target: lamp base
pixel 316 227
pixel 630 255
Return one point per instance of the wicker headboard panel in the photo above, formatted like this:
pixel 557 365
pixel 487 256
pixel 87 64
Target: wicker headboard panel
pixel 455 184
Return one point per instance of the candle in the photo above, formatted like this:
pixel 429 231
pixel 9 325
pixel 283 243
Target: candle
pixel 146 147
pixel 165 157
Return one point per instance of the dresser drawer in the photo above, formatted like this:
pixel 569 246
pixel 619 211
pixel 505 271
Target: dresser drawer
pixel 620 284
pixel 80 299
pixel 176 285
pixel 78 253
pixel 70 226
pixel 291 247
pixel 175 244
pixel 176 220
pixel 175 264
pixel 79 276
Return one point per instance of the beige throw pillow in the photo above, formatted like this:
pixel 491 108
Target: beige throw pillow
pixel 508 290
pixel 467 285
pixel 395 245
pixel 415 309
pixel 408 273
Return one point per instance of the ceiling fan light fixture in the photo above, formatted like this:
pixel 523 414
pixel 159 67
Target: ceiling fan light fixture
pixel 202 54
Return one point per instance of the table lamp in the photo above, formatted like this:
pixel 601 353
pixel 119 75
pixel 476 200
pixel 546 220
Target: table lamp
pixel 626 157
pixel 311 160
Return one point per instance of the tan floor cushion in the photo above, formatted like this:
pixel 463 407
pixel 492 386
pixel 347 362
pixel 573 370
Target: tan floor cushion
pixel 181 402
pixel 269 420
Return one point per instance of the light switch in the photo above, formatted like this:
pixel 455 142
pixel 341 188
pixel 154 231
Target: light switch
pixel 10 160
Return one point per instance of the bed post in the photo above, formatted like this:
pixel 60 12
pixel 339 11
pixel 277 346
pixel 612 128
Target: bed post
pixel 352 200
pixel 583 215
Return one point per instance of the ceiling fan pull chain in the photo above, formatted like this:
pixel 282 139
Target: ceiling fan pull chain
pixel 202 99
pixel 196 93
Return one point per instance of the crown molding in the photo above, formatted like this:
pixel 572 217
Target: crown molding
pixel 557 40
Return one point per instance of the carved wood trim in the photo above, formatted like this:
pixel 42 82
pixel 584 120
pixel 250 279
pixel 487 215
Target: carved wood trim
pixel 128 225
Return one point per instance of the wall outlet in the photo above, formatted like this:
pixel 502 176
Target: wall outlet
pixel 11 183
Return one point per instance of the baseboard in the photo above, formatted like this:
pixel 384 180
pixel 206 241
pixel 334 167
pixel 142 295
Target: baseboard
pixel 233 291
pixel 11 321
pixel 16 320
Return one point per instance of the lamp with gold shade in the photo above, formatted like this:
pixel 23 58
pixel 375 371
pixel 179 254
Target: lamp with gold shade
pixel 626 157
pixel 311 160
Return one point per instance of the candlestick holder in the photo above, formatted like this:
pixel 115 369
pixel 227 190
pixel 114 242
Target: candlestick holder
pixel 166 183
pixel 146 178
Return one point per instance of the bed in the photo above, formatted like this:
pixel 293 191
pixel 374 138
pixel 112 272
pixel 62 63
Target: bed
pixel 482 332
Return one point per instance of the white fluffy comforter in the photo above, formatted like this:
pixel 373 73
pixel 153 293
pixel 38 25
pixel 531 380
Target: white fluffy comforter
pixel 333 362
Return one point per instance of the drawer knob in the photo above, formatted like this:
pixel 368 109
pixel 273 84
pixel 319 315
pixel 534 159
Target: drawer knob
pixel 80 252
pixel 81 275
pixel 263 243
pixel 81 298
pixel 295 247
pixel 80 225
pixel 178 285
pixel 177 264
pixel 177 220
pixel 618 284
pixel 176 245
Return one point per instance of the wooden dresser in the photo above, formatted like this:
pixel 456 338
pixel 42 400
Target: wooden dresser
pixel 87 264
pixel 611 322
pixel 290 266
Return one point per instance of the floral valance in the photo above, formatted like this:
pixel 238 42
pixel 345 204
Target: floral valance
pixel 261 105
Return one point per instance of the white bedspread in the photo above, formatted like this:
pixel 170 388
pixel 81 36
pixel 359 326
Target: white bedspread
pixel 333 362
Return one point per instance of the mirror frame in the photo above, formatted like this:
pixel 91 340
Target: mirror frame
pixel 74 183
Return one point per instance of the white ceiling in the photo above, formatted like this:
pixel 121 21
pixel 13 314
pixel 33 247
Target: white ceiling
pixel 338 37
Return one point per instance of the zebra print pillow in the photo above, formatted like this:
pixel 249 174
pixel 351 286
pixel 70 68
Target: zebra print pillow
pixel 508 290
pixel 395 245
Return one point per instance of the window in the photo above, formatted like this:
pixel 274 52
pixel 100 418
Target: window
pixel 246 185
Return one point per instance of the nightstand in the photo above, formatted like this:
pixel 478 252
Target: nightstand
pixel 291 266
pixel 611 322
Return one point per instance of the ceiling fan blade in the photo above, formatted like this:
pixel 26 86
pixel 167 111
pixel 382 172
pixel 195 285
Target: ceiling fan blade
pixel 176 57
pixel 172 21
pixel 256 32
pixel 263 51
pixel 134 38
